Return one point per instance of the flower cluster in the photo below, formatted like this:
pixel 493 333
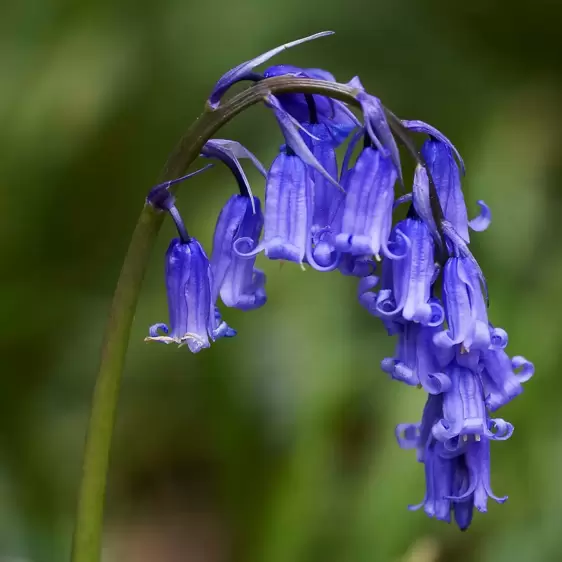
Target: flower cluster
pixel 430 292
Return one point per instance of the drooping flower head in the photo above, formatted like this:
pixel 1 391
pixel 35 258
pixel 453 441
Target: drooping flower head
pixel 419 276
pixel 238 282
pixel 367 214
pixel 328 200
pixel 446 166
pixel 192 314
pixel 457 478
pixel 465 307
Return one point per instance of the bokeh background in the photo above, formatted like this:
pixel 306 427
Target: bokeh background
pixel 277 445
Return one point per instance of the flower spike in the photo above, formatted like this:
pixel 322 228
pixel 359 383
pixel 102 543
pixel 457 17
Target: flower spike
pixel 244 70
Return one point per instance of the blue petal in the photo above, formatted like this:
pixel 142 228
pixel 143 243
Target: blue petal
pixel 240 285
pixel 446 177
pixel 422 202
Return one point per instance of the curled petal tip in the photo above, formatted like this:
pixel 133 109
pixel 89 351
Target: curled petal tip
pixel 483 220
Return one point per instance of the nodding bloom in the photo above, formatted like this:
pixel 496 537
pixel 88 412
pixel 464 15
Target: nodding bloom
pixel 367 214
pixel 328 199
pixel 458 478
pixel 410 296
pixel 416 361
pixel 238 282
pixel 464 410
pixel 192 314
pixel 288 210
pixel 503 376
pixel 465 308
pixel 439 154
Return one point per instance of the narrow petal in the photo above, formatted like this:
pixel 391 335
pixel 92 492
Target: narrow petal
pixel 289 127
pixel 446 176
pixel 241 71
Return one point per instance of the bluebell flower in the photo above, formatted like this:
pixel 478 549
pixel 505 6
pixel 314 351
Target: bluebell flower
pixel 412 277
pixel 465 307
pixel 439 154
pixel 239 283
pixel 464 410
pixel 417 361
pixel 328 200
pixel 192 314
pixel 457 479
pixel 288 210
pixel 367 214
pixel 503 376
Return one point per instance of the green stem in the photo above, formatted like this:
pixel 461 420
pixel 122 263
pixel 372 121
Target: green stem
pixel 87 538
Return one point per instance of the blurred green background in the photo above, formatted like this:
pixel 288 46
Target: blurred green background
pixel 277 445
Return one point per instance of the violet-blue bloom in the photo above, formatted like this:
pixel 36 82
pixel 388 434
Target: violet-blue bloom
pixel 464 410
pixel 367 214
pixel 503 376
pixel 239 283
pixel 328 199
pixel 465 308
pixel 412 277
pixel 446 176
pixel 417 361
pixel 288 211
pixel 192 314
